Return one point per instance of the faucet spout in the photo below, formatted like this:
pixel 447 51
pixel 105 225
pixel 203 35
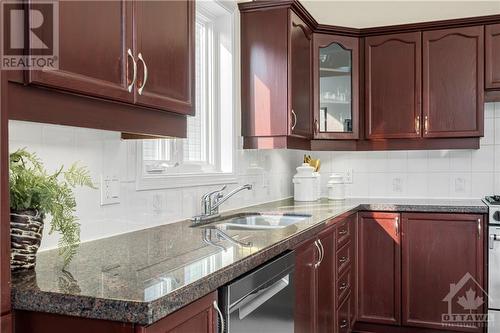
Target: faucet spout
pixel 212 200
pixel 220 201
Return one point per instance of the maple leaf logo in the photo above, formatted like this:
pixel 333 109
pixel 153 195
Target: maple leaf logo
pixel 470 301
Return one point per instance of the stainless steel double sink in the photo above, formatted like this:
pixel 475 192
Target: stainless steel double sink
pixel 257 221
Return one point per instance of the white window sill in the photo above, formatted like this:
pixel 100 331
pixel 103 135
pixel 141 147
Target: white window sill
pixel 158 182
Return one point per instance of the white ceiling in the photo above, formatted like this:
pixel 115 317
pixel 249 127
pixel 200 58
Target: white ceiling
pixel 363 14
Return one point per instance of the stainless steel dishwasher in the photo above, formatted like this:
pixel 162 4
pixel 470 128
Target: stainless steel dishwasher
pixel 261 301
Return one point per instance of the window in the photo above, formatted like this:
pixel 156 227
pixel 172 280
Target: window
pixel 206 155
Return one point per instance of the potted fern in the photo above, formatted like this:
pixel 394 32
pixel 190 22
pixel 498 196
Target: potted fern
pixel 34 193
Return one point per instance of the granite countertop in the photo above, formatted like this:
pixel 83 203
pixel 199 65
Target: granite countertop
pixel 142 276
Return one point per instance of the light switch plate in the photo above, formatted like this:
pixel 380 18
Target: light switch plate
pixel 110 190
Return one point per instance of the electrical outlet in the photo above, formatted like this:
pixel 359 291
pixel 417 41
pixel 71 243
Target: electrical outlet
pixel 110 190
pixel 348 178
pixel 396 185
pixel 459 185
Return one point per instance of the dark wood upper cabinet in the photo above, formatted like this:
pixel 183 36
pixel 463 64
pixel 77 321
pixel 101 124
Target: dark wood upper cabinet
pixel 379 268
pixel 335 87
pixel 440 250
pixel 139 52
pixel 276 78
pixel 300 74
pixel 453 82
pixel 492 56
pixel 393 86
pixel 95 38
pixel 165 55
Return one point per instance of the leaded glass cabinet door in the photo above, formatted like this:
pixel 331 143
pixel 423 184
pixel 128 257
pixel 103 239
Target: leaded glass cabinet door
pixel 336 87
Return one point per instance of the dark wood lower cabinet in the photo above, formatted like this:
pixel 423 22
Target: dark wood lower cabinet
pixel 38 322
pixel 199 316
pixel 324 297
pixel 415 274
pixel 379 272
pixel 306 257
pixel 314 284
pixel 442 266
pixel 326 280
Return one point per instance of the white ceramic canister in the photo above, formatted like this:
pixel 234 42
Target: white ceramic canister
pixel 305 183
pixel 336 187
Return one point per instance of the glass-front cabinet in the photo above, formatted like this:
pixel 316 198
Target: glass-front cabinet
pixel 336 87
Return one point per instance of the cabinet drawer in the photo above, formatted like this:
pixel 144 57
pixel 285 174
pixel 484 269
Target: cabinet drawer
pixel 343 285
pixel 344 258
pixel 344 230
pixel 343 325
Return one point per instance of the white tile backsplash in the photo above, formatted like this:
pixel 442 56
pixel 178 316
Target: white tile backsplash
pixel 426 174
pixel 413 174
pixel 103 152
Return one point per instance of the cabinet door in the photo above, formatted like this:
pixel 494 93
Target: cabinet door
pixel 300 122
pixel 94 40
pixel 393 86
pixel 165 42
pixel 326 282
pixel 335 87
pixel 199 316
pixel 379 272
pixel 306 257
pixel 453 82
pixel 442 262
pixel 492 47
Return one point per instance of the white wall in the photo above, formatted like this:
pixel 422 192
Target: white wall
pixel 103 152
pixel 423 174
pixel 365 14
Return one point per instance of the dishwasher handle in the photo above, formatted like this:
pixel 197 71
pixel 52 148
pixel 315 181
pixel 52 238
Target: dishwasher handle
pixel 253 301
pixel 492 239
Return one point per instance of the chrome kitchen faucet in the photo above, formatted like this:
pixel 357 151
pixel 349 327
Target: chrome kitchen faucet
pixel 211 201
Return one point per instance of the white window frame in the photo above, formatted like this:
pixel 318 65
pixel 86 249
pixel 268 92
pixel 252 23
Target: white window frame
pixel 152 181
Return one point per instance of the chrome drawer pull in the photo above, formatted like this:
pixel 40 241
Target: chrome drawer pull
pixel 343 324
pixel 343 232
pixel 343 259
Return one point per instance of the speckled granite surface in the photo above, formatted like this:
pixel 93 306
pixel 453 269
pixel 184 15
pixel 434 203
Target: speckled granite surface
pixel 142 276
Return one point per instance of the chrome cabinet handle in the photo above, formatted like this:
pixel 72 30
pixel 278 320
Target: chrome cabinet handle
pixel 343 324
pixel 316 265
pixel 396 225
pixel 343 286
pixel 294 120
pixel 479 228
pixel 426 124
pixel 219 313
pixel 134 68
pixel 145 79
pixel 343 259
pixel 343 232
pixel 417 125
pixel 322 251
